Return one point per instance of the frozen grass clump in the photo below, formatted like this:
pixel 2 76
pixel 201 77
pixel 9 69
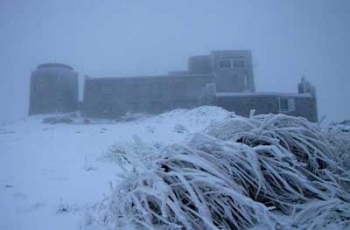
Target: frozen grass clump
pixel 188 187
pixel 339 135
pixel 320 156
pixel 296 135
pixel 235 174
pixel 132 153
pixel 320 214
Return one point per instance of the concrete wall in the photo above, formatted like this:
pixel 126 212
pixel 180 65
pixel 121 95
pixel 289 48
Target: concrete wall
pixel 223 78
pixel 200 64
pixel 53 88
pixel 113 97
pixel 304 105
pixel 236 78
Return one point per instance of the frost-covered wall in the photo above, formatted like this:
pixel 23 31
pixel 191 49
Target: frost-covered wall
pixel 229 70
pixel 233 70
pixel 113 97
pixel 223 78
pixel 300 105
pixel 53 88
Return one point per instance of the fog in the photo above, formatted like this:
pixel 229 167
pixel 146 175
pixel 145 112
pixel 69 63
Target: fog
pixel 288 39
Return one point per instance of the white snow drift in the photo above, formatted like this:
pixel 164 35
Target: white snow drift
pixel 196 169
pixel 235 176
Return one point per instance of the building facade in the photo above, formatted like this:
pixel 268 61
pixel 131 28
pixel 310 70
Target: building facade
pixel 113 97
pixel 53 88
pixel 230 71
pixel 223 78
pixel 299 105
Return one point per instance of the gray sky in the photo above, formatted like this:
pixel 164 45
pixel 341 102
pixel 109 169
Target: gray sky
pixel 104 38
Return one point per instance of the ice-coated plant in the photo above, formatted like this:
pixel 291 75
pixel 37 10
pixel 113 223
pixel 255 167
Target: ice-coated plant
pixel 234 175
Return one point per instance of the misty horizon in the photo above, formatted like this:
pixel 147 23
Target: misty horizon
pixel 127 38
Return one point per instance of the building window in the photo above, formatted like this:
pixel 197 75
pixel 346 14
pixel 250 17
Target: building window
pixel 286 105
pixel 232 63
pixel 225 64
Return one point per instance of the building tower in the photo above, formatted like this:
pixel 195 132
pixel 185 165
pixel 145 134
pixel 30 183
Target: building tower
pixel 53 89
pixel 233 70
pixel 305 87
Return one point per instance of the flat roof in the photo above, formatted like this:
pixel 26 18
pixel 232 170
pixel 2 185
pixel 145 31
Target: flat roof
pixel 261 94
pixel 145 77
pixel 54 65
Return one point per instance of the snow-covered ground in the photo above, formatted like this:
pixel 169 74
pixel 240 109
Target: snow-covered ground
pixel 50 174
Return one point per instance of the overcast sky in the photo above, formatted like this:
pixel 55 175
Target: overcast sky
pixel 105 38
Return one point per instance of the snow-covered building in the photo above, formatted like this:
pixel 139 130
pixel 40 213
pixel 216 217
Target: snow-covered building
pixel 53 88
pixel 223 78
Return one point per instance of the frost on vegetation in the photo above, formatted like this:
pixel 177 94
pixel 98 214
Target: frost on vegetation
pixel 178 128
pixel 235 176
pixel 343 126
pixel 320 214
pixel 339 134
pixel 65 208
pixel 135 153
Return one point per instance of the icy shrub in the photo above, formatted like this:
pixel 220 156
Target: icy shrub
pixel 318 155
pixel 333 213
pixel 339 134
pixel 178 128
pixel 336 127
pixel 190 188
pixel 132 153
pixel 232 176
pixel 65 208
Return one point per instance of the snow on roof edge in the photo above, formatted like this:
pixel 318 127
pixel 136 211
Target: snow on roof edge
pixel 257 94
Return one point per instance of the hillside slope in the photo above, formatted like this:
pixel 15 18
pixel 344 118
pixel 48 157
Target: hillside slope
pixel 50 174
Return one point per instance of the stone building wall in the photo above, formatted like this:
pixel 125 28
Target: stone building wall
pixel 53 88
pixel 295 104
pixel 113 97
pixel 223 78
pixel 233 70
pixel 200 64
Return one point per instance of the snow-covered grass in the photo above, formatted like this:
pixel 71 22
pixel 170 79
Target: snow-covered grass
pixel 200 169
pixel 233 176
pixel 50 174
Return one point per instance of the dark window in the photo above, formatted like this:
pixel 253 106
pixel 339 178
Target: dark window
pixel 283 104
pixel 239 64
pixel 225 64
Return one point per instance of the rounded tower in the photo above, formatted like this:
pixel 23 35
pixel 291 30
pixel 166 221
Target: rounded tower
pixel 53 89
